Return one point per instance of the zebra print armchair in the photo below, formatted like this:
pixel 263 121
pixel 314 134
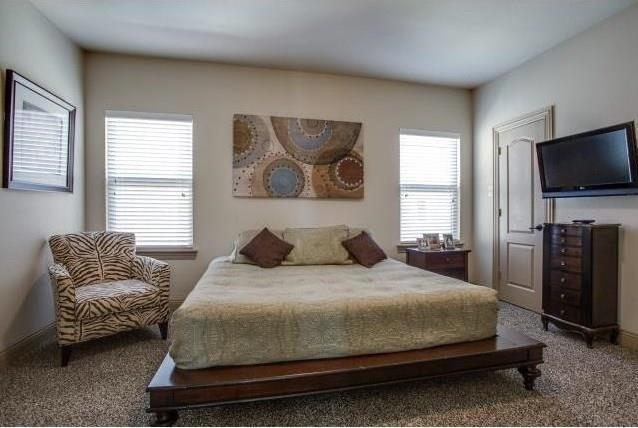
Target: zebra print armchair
pixel 101 287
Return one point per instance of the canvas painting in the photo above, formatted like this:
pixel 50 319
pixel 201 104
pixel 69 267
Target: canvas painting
pixel 286 157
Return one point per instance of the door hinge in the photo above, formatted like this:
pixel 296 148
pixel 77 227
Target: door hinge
pixel 500 151
pixel 500 212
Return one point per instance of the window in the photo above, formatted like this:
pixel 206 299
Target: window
pixel 149 168
pixel 429 177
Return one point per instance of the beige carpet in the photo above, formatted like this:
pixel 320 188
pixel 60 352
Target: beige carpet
pixel 105 381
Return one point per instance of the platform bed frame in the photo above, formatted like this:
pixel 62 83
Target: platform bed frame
pixel 173 389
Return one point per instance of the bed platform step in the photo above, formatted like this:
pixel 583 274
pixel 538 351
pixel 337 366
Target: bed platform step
pixel 173 389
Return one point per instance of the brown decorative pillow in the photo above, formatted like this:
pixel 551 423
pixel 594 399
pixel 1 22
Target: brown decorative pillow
pixel 364 250
pixel 266 250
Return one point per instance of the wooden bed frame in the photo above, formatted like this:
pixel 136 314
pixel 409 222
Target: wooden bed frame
pixel 173 389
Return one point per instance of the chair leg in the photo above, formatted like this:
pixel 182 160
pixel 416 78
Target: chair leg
pixel 65 354
pixel 163 327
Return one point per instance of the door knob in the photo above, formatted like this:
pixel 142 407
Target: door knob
pixel 537 227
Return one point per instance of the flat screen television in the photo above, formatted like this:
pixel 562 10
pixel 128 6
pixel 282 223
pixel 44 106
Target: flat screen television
pixel 602 162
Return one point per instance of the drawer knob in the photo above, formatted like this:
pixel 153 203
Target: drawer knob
pixel 563 280
pixel 562 296
pixel 562 311
pixel 563 263
pixel 563 231
pixel 563 250
pixel 563 240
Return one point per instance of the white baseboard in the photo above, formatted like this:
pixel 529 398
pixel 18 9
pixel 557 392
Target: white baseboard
pixel 30 342
pixel 628 339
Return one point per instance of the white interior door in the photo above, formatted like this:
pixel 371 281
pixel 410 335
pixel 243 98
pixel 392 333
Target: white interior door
pixel 522 211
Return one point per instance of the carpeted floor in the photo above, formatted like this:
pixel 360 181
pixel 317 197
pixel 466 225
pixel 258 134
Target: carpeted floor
pixel 105 381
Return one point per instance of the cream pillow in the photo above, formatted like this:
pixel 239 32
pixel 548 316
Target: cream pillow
pixel 242 240
pixel 355 231
pixel 317 246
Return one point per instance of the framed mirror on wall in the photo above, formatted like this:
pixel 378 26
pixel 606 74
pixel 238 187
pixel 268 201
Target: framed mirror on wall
pixel 38 137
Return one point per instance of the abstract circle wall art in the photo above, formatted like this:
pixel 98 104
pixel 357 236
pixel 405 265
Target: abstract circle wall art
pixel 287 157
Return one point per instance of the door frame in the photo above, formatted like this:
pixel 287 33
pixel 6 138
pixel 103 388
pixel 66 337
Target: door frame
pixel 546 113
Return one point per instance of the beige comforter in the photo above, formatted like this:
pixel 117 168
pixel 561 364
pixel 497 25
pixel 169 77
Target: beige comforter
pixel 243 314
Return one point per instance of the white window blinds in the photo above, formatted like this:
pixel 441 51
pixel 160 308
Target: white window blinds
pixel 150 177
pixel 429 176
pixel 40 152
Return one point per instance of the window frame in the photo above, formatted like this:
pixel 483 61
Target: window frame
pixel 166 252
pixel 436 134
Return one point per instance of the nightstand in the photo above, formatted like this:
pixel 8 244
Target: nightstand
pixel 452 263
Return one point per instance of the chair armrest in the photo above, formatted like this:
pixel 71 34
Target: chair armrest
pixel 152 271
pixel 64 296
pixel 62 282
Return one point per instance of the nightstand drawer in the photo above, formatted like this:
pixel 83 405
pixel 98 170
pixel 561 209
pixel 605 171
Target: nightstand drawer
pixel 458 273
pixel 444 261
pixel 452 263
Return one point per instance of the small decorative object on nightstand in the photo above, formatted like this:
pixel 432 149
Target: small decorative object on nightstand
pixel 452 263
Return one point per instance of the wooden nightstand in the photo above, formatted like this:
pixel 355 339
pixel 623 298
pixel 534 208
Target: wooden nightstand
pixel 452 263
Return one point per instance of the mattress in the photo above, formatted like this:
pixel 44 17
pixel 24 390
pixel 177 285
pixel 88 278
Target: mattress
pixel 241 314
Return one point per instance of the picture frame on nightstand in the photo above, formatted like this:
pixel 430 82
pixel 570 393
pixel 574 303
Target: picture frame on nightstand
pixel 432 240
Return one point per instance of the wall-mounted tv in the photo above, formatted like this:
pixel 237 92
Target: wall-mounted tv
pixel 603 162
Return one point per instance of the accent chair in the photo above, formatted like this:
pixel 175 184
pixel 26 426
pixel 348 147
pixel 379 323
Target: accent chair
pixel 101 287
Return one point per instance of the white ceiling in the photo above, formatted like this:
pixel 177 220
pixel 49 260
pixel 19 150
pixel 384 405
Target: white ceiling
pixel 451 42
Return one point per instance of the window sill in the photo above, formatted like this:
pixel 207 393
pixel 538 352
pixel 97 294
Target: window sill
pixel 168 253
pixel 402 247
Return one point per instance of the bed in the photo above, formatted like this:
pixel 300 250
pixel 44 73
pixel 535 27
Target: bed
pixel 246 333
pixel 241 314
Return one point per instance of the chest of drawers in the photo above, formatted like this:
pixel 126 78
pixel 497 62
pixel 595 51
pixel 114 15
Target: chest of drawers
pixel 580 279
pixel 452 263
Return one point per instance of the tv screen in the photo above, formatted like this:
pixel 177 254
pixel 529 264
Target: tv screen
pixel 595 163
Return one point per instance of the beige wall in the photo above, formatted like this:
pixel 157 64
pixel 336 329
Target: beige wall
pixel 212 93
pixel 592 80
pixel 30 45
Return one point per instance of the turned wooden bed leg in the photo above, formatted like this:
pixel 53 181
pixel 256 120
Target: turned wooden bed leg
pixel 165 419
pixel 530 373
pixel 65 354
pixel 163 327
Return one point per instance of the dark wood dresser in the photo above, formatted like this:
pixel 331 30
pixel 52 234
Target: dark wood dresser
pixel 580 279
pixel 452 263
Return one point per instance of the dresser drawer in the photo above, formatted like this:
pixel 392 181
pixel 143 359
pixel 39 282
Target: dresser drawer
pixel 565 312
pixel 558 251
pixel 567 264
pixel 564 230
pixel 565 296
pixel 444 261
pixel 565 280
pixel 566 241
